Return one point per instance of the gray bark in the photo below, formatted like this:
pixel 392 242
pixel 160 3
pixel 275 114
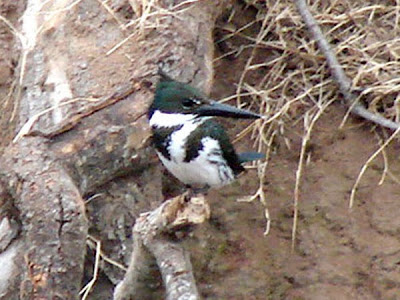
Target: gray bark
pixel 152 242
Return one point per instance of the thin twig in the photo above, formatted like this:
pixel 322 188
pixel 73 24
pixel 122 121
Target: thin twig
pixel 88 287
pixel 385 160
pixel 366 165
pixel 92 243
pixel 337 71
pixel 67 124
pixel 308 125
pixel 26 128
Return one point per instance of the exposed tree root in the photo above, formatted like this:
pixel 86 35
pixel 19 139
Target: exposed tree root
pixel 150 235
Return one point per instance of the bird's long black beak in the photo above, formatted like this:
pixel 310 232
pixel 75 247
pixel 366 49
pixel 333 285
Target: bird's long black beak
pixel 222 110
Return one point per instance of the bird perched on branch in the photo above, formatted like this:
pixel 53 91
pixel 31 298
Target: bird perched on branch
pixel 190 144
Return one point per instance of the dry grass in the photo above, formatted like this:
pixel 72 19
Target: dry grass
pixel 95 244
pixel 286 75
pixel 364 37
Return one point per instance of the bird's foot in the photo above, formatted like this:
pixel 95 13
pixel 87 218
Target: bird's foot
pixel 193 191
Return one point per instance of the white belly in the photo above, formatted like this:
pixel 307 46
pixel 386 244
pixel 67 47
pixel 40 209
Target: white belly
pixel 209 168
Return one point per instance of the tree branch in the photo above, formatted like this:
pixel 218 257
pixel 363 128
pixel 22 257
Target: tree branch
pixel 151 234
pixel 337 71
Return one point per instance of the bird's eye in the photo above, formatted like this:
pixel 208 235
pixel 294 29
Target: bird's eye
pixel 188 103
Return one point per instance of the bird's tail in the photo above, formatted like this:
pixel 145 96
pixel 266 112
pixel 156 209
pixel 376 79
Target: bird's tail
pixel 250 156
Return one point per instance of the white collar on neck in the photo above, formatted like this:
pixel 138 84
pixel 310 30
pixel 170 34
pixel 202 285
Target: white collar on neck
pixel 160 119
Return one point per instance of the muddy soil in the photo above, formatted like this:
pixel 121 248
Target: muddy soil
pixel 339 253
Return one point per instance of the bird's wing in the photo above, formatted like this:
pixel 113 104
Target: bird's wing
pixel 215 131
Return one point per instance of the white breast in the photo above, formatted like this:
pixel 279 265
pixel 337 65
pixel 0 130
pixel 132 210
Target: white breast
pixel 209 168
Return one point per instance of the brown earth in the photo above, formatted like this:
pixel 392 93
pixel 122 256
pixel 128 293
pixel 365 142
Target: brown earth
pixel 339 253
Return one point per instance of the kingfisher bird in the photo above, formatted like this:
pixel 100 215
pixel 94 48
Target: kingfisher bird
pixel 190 144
